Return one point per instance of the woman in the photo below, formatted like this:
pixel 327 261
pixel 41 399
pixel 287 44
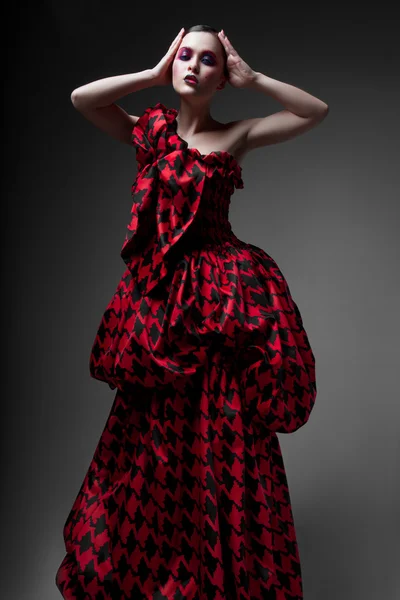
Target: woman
pixel 186 495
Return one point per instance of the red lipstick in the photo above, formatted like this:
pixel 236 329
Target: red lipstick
pixel 192 78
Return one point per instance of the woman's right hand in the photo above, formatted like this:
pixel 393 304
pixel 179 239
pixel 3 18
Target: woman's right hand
pixel 162 72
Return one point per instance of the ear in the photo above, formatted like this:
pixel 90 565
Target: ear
pixel 222 83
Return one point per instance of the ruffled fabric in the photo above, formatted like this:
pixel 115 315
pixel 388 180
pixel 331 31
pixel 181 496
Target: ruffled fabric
pixel 171 182
pixel 193 291
pixel 155 134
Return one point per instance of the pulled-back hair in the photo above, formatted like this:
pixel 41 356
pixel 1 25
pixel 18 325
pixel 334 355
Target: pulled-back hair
pixel 210 29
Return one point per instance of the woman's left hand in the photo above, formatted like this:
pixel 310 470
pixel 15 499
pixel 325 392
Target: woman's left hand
pixel 240 74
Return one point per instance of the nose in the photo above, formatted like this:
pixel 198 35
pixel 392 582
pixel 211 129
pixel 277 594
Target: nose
pixel 193 67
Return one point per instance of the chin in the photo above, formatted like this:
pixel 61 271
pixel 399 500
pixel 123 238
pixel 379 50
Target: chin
pixel 183 91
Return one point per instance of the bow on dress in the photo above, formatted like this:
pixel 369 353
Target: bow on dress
pixel 166 193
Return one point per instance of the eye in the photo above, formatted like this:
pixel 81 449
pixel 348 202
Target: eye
pixel 207 57
pixel 210 59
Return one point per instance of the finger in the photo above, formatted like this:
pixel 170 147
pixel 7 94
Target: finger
pixel 226 39
pixel 173 51
pixel 174 45
pixel 222 38
pixel 229 46
pixel 177 43
pixel 177 37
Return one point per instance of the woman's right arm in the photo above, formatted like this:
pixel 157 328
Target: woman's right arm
pixel 95 101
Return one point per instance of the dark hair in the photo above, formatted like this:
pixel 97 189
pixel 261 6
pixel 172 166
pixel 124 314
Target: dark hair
pixel 210 29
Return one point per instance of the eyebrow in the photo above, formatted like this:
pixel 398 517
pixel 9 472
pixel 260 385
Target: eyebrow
pixel 204 51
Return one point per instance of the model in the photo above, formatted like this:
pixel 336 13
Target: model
pixel 186 495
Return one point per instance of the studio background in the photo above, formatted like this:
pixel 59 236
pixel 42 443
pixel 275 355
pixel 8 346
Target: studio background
pixel 324 205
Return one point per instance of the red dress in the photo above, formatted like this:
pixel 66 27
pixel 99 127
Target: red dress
pixel 186 495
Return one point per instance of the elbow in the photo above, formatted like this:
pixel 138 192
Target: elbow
pixel 75 98
pixel 325 110
pixel 78 100
pixel 323 113
pixel 320 114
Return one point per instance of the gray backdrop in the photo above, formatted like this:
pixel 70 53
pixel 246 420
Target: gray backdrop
pixel 324 205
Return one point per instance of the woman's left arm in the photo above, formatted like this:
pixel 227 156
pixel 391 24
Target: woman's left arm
pixel 302 110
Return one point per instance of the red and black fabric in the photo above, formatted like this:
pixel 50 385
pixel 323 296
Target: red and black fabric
pixel 186 495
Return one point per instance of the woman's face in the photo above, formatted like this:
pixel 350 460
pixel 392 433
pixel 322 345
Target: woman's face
pixel 201 54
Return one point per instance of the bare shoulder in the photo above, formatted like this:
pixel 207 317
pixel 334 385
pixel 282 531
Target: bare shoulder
pixel 133 119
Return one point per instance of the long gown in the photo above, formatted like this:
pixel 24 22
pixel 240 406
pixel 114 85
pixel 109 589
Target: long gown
pixel 186 495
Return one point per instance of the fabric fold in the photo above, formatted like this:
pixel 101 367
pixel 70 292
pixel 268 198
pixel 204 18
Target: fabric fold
pixel 166 193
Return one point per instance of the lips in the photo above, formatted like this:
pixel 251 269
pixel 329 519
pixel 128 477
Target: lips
pixel 191 78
